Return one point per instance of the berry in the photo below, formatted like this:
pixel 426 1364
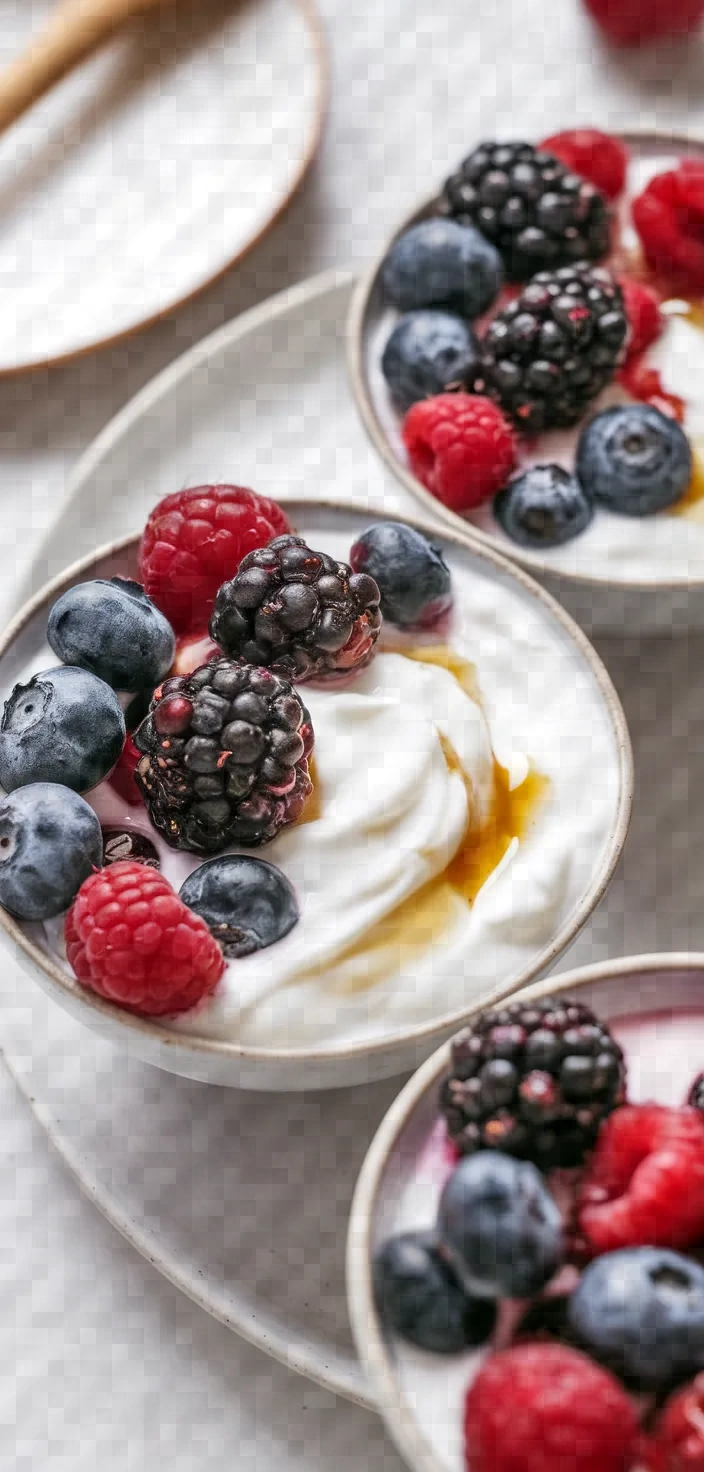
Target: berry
pixel 695 1098
pixel 634 22
pixel 192 651
pixel 543 507
pixel 246 904
pixel 196 539
pixel 561 1073
pixel 236 769
pixel 679 1433
pixel 547 1408
pixel 460 448
pixel 128 843
pixel 644 1185
pixel 645 320
pixel 410 572
pixel 553 349
pixel 641 1311
pixel 669 218
pixel 50 841
pixel 596 156
pixel 298 612
pixel 427 353
pixel 133 941
pixel 122 777
pixel 114 630
pixel 634 460
pixel 419 1297
pixel 530 206
pixel 499 1227
pixel 441 264
pixel 65 726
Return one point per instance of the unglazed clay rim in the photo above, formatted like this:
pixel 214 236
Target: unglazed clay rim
pixel 355 339
pixel 190 1044
pixel 372 1346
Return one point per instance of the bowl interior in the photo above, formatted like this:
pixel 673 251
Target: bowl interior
pixel 655 1006
pixel 657 551
pixel 545 693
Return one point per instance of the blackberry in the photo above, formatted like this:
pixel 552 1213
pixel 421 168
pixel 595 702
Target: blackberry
pixel 533 209
pixel 548 354
pixel 535 1080
pixel 695 1097
pixel 225 757
pixel 298 612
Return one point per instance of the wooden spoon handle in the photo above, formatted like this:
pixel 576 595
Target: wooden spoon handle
pixel 74 30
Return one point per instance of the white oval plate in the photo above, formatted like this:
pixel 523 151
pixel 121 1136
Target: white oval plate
pixel 652 999
pixel 151 169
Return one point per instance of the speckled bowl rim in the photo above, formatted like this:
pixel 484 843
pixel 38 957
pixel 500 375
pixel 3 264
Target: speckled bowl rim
pixel 355 339
pixel 191 1044
pixel 372 1346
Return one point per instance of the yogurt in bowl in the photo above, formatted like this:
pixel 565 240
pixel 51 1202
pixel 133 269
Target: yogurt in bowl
pixel 471 797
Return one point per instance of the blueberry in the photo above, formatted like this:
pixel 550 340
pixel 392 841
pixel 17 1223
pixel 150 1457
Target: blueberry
pixel 65 726
pixel 50 841
pixel 114 630
pixel 439 263
pixel 427 353
pixel 500 1227
pixel 419 1297
pixel 544 507
pixel 410 572
pixel 634 460
pixel 246 903
pixel 641 1311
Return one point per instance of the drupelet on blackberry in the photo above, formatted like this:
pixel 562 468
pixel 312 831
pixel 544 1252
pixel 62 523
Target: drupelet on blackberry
pixel 225 757
pixel 550 352
pixel 530 206
pixel 299 612
pixel 535 1080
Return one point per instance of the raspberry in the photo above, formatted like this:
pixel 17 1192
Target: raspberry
pixel 596 156
pixel 645 320
pixel 460 447
pixel 192 651
pixel 196 539
pixel 632 22
pixel 547 1408
pixel 132 940
pixel 645 1182
pixel 678 1444
pixel 669 218
pixel 122 775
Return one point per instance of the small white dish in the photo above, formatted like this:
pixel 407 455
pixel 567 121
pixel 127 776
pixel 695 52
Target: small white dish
pixel 544 692
pixel 640 574
pixel 656 1007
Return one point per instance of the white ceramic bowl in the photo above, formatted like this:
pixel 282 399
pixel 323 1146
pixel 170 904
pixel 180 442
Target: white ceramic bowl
pixel 612 577
pixel 520 623
pixel 652 999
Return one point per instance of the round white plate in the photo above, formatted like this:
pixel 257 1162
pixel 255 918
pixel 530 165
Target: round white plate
pixel 261 1244
pixel 150 169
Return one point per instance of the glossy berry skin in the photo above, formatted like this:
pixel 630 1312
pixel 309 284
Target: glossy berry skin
pixel 439 263
pixel 133 941
pixel 641 1311
pixel 678 1444
pixel 644 1184
pixel 634 460
pixel 499 1226
pixel 64 726
pixel 427 353
pixel 638 22
pixel 50 841
pixel 410 572
pixel 114 630
pixel 544 507
pixel 246 904
pixel 596 156
pixel 547 1408
pixel 122 778
pixel 669 216
pixel 196 539
pixel 420 1299
pixel 645 320
pixel 460 447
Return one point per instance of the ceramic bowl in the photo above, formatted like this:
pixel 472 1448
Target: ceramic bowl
pixel 614 576
pixel 521 636
pixel 656 1006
